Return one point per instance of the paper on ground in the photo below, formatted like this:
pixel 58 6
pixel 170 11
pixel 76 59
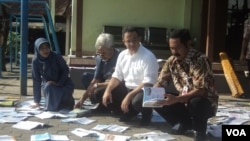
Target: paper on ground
pixel 82 120
pixel 50 137
pixel 84 133
pixel 28 125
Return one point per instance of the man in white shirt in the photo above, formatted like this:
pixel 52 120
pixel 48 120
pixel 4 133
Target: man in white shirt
pixel 136 67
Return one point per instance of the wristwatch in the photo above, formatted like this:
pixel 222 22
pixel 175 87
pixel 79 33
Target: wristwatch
pixel 95 85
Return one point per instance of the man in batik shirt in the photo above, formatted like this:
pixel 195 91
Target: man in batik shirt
pixel 192 76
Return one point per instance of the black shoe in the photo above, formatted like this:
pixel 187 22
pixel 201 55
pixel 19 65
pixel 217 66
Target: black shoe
pixel 125 118
pixel 117 112
pixel 145 120
pixel 199 136
pixel 180 128
pixel 95 111
pixel 101 110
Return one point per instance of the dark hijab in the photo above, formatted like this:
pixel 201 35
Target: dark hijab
pixel 37 44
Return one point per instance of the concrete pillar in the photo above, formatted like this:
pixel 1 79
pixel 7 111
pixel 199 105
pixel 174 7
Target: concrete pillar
pixel 68 35
pixel 76 34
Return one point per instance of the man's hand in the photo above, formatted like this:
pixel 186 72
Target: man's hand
pixel 169 100
pixel 53 82
pixel 106 99
pixel 125 104
pixel 78 104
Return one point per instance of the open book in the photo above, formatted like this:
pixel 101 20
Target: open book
pixel 48 137
pixel 152 95
pixel 28 125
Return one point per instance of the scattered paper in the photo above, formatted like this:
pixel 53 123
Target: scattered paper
pixel 84 133
pixel 7 138
pixel 27 125
pixel 50 137
pixel 47 115
pixel 7 109
pixel 111 127
pixel 112 137
pixel 11 119
pixel 82 120
pixel 155 136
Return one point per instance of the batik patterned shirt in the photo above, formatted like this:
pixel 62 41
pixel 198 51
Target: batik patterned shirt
pixel 194 72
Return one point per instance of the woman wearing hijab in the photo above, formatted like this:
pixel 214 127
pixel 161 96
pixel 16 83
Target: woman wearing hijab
pixel 50 74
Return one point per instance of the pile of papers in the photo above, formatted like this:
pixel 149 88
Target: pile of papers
pixel 228 113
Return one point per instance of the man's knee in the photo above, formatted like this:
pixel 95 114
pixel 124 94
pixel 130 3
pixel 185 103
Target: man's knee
pixel 200 106
pixel 137 103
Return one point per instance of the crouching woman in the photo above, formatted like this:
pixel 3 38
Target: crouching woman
pixel 50 75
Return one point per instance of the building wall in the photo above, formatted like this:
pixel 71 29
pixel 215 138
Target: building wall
pixel 142 13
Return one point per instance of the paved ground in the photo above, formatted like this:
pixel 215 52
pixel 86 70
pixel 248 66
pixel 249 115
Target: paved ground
pixel 10 86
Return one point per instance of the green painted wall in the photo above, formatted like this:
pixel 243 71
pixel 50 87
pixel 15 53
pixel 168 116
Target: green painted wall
pixel 143 13
pixel 195 23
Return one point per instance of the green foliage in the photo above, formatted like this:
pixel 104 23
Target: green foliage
pixel 13 42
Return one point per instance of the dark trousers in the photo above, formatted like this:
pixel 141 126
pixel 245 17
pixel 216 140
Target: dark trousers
pixel 118 94
pixel 136 106
pixel 197 111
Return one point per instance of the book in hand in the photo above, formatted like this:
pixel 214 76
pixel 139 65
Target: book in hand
pixel 151 95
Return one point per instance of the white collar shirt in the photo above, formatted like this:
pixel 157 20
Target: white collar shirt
pixel 141 67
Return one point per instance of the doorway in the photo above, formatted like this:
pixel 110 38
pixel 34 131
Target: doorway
pixel 237 13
